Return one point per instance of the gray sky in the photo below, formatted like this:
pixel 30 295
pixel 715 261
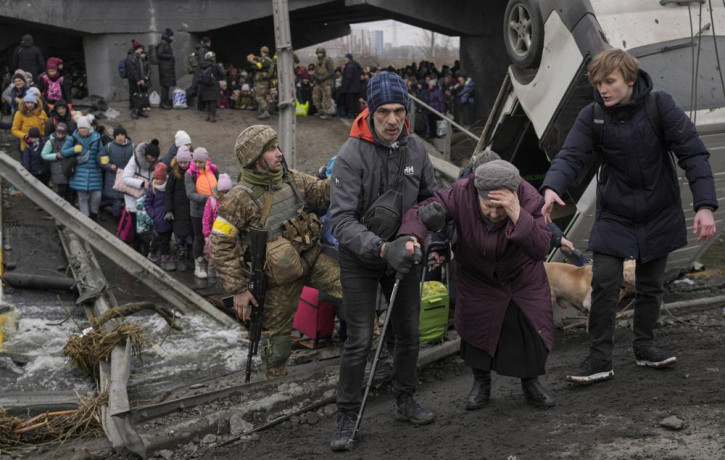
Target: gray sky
pixel 406 34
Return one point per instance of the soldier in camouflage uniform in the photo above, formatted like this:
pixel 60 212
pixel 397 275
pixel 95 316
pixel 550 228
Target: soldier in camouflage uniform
pixel 261 80
pixel 270 196
pixel 324 84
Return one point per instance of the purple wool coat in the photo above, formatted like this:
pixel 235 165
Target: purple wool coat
pixel 494 267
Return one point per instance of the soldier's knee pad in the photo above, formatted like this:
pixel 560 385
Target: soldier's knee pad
pixel 277 350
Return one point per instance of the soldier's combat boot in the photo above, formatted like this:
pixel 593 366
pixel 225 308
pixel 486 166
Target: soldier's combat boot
pixel 407 409
pixel 263 116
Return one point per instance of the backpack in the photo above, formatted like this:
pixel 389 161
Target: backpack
pixel 208 76
pixel 122 68
pixel 652 111
pixel 54 89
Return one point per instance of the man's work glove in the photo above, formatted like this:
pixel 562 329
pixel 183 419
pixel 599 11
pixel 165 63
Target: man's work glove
pixel 397 255
pixel 433 216
pixel 169 216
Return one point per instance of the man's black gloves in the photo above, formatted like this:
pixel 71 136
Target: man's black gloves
pixel 433 216
pixel 398 256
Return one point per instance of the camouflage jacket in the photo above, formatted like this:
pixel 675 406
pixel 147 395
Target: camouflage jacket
pixel 263 69
pixel 239 212
pixel 324 69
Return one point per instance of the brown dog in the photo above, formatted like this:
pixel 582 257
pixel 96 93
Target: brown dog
pixel 571 286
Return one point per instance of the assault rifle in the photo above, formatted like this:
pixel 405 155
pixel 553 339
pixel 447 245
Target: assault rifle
pixel 257 286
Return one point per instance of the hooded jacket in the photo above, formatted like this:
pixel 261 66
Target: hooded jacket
pixel 54 119
pixel 177 201
pixel 118 155
pixel 167 62
pixel 24 120
pixel 639 210
pixel 155 207
pixel 28 57
pixel 351 82
pixel 197 200
pixel 88 174
pixel 32 159
pixel 362 164
pixel 50 150
pixel 137 173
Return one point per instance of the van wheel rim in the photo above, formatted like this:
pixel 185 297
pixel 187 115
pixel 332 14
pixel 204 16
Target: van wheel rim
pixel 519 30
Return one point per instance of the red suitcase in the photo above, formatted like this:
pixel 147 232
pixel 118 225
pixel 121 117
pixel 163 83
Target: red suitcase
pixel 314 318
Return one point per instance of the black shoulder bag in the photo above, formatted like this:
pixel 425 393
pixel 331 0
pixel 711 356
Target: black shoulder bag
pixel 385 214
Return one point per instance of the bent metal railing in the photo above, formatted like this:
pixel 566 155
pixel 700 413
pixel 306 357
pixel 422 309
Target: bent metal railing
pixel 449 122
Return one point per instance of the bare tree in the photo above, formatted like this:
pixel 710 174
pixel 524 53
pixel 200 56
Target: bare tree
pixel 436 47
pixel 427 44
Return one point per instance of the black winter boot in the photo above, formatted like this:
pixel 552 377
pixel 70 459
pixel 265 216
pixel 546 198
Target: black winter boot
pixel 407 409
pixel 536 394
pixel 480 391
pixel 181 258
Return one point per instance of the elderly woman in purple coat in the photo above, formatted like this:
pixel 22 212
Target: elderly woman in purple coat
pixel 503 305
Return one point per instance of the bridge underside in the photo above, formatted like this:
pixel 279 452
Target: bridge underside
pixel 93 35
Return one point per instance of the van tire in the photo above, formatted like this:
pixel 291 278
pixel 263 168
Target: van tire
pixel 523 33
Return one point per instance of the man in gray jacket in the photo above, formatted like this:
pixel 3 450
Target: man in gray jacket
pixel 377 160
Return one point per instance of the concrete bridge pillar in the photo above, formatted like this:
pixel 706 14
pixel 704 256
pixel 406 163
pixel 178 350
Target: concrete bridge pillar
pixel 483 57
pixel 104 51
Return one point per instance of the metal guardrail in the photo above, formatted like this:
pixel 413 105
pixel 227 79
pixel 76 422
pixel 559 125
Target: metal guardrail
pixel 449 122
pixel 443 116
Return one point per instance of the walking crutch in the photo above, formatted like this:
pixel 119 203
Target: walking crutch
pixel 398 277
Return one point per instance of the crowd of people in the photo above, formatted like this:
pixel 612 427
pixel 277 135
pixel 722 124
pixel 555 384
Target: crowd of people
pixel 322 88
pixel 150 197
pixel 383 206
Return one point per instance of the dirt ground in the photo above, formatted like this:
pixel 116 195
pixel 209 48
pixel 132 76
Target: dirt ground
pixel 612 420
pixel 316 141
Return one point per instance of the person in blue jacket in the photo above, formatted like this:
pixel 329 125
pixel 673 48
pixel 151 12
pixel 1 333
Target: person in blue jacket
pixel 85 145
pixel 639 211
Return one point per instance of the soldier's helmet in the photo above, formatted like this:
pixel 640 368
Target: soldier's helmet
pixel 250 143
pixel 264 49
pixel 210 56
pixel 320 50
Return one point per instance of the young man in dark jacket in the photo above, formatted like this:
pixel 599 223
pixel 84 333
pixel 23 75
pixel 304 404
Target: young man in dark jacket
pixel 167 66
pixel 639 211
pixel 368 165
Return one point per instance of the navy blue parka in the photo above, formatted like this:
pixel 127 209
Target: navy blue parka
pixel 638 211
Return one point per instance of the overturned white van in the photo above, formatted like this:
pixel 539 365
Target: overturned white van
pixel 551 43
